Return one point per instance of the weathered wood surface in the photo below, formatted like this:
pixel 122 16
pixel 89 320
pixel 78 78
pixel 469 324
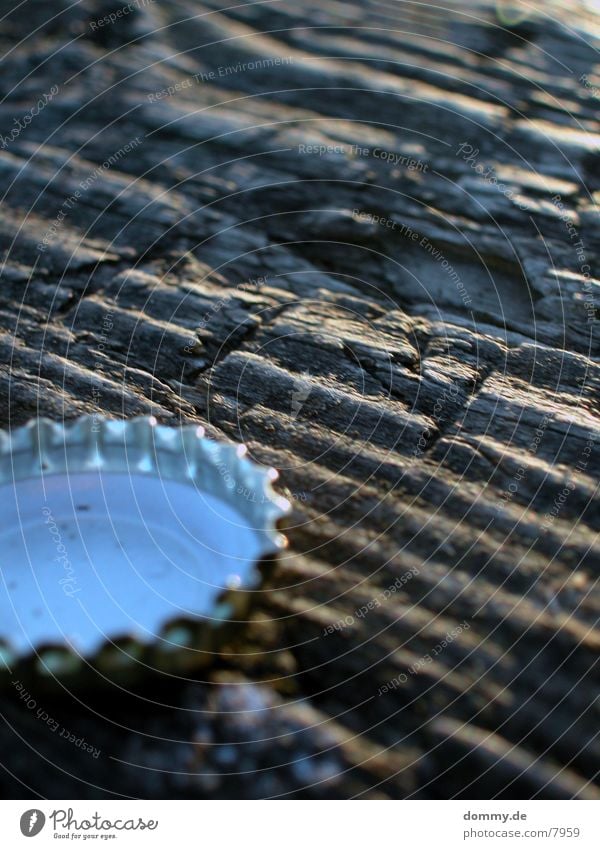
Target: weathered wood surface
pixel 428 399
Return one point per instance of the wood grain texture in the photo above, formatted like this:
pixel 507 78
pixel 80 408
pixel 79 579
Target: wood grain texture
pixel 410 340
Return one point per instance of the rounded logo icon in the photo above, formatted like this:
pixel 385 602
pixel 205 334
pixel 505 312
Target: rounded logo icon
pixel 32 822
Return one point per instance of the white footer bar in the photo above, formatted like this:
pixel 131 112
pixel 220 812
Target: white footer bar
pixel 300 824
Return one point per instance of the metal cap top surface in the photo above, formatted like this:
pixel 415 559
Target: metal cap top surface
pixel 121 537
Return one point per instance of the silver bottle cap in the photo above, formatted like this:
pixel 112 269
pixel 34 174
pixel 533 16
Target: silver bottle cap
pixel 126 545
